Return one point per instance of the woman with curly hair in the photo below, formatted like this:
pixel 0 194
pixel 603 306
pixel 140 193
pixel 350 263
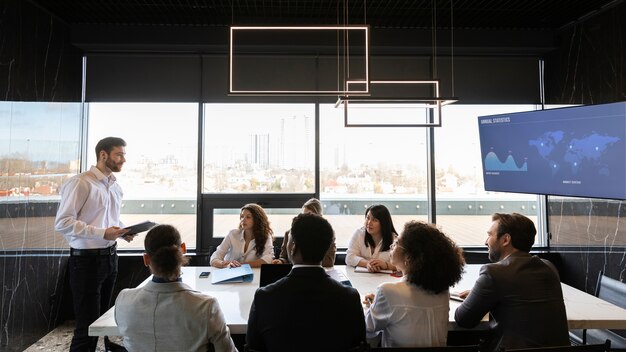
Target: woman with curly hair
pixel 414 312
pixel 251 243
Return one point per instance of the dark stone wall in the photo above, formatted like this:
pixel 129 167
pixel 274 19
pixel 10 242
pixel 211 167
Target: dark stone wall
pixel 37 61
pixel 31 298
pixel 37 64
pixel 590 236
pixel 589 66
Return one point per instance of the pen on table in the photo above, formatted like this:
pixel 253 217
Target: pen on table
pixel 369 299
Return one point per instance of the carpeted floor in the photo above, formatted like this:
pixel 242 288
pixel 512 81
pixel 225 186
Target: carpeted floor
pixel 59 340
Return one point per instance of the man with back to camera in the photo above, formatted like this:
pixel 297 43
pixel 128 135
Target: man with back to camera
pixel 89 219
pixel 307 310
pixel 522 292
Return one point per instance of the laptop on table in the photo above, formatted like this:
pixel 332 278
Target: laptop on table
pixel 271 273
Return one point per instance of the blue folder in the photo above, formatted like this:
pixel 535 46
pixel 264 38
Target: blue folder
pixel 241 274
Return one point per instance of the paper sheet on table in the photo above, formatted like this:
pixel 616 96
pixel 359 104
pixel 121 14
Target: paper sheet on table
pixel 361 269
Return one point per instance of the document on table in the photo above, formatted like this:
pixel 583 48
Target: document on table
pixel 361 269
pixel 455 297
pixel 239 274
pixel 339 276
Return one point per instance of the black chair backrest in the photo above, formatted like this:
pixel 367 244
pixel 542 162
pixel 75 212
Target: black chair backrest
pixel 470 348
pixel 602 347
pixel 611 290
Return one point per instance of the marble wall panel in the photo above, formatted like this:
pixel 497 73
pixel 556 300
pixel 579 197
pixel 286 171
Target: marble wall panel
pixel 589 66
pixel 37 61
pixel 31 298
pixel 40 90
pixel 590 236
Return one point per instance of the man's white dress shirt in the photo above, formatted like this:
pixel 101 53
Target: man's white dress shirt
pixel 90 203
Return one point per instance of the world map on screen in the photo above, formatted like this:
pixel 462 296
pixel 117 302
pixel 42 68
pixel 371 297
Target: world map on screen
pixel 574 152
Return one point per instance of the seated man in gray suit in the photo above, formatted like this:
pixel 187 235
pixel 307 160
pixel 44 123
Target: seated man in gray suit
pixel 522 292
pixel 307 310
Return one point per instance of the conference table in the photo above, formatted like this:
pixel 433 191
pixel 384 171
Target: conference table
pixel 584 311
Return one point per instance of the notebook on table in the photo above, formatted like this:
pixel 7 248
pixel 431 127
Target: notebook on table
pixel 271 273
pixel 140 227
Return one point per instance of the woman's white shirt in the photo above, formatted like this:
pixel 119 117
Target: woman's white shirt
pixel 408 316
pixel 357 249
pixel 232 248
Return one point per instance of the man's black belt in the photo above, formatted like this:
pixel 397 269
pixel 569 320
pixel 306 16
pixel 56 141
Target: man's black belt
pixel 93 252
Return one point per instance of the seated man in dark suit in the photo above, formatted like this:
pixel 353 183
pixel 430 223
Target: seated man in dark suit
pixel 522 292
pixel 307 310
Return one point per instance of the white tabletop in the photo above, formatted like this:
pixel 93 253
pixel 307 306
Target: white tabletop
pixel 584 311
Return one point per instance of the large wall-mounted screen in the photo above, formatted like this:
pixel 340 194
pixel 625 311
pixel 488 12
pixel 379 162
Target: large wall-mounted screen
pixel 576 151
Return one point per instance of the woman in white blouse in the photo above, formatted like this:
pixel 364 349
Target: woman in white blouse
pixel 251 243
pixel 369 245
pixel 414 312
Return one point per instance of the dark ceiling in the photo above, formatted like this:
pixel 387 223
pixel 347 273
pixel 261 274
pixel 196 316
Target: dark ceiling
pixel 457 14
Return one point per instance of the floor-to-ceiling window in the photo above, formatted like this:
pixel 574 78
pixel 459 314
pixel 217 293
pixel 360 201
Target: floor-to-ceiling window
pixel 257 153
pixel 159 178
pixel 362 166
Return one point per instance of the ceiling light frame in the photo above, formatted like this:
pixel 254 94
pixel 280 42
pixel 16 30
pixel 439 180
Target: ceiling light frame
pixel 434 103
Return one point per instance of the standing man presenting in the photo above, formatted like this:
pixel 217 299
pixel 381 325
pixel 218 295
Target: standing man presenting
pixel 521 292
pixel 89 219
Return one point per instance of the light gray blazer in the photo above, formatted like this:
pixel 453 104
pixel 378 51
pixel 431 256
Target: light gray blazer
pixel 170 317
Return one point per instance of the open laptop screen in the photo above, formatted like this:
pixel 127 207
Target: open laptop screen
pixel 271 273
